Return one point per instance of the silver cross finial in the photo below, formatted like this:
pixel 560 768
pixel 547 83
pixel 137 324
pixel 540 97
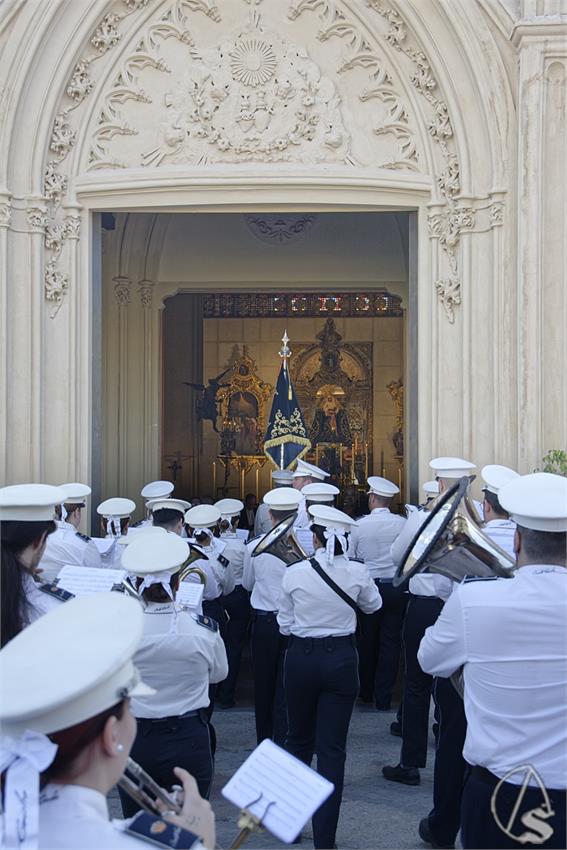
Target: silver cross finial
pixel 285 351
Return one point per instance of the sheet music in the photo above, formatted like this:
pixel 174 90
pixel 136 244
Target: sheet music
pixel 81 580
pixel 305 539
pixel 103 544
pixel 190 594
pixel 242 534
pixel 289 791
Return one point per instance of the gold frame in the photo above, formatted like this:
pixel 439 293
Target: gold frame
pixel 242 378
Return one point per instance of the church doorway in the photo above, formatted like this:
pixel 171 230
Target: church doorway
pixel 193 309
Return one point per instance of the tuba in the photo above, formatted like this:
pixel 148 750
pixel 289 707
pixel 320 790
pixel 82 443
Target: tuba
pixel 281 542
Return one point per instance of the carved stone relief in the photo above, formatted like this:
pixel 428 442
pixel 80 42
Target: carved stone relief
pixel 5 214
pixel 280 229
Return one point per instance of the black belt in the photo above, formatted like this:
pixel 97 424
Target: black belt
pixel 326 642
pixel 384 580
pixel 260 613
pixel 172 719
pixel 489 778
pixel 419 596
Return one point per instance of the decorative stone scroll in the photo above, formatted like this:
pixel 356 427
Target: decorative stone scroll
pixel 280 229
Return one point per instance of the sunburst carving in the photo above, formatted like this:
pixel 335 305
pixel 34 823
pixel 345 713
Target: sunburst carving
pixel 253 62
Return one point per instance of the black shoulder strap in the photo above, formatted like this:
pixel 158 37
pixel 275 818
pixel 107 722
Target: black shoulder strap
pixel 333 585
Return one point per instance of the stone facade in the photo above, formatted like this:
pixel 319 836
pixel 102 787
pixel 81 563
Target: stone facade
pixel 452 108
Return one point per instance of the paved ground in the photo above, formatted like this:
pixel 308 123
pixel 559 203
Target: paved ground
pixel 374 813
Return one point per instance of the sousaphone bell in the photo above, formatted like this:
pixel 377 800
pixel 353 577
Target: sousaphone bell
pixel 281 542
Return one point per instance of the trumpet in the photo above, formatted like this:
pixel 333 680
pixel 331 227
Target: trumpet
pixel 140 786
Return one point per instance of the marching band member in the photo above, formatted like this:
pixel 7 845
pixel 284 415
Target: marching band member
pixel 26 520
pixel 71 721
pixel 204 520
pixel 115 514
pixel 67 545
pixel 380 635
pixel 263 576
pixel 153 490
pixel 179 656
pixel 263 523
pixel 509 636
pixel 321 665
pixel 305 473
pixel 426 595
pixel 319 493
pixel 236 603
pixel 169 514
pixel 497 524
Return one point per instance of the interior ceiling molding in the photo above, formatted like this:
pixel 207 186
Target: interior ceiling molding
pixel 370 304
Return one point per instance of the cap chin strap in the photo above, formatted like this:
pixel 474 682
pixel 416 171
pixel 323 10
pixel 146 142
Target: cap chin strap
pixel 332 534
pixel 24 758
pixel 113 526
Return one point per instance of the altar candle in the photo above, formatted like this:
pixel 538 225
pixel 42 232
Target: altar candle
pixel 257 488
pixel 382 473
pixel 215 479
pixel 400 478
pixel 366 460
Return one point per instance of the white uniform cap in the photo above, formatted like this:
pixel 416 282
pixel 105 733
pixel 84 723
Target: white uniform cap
pixel 320 492
pixel 203 516
pixel 382 487
pixel 116 507
pixel 496 476
pixel 71 664
pixel 29 502
pixel 283 499
pixel 136 533
pixel 304 469
pixel 155 553
pixel 229 507
pixel 75 494
pixel 431 488
pixel 157 489
pixel 282 476
pixel 169 504
pixel 537 501
pixel 331 517
pixel 451 467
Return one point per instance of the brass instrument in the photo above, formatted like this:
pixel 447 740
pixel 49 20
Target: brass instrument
pixel 140 786
pixel 281 542
pixel 195 554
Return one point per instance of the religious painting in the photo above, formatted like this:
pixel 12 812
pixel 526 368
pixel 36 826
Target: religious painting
pixel 243 410
pixel 242 400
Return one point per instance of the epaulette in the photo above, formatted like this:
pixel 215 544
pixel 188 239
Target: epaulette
pixel 55 591
pixel 356 560
pixel 159 832
pixel 469 579
pixel 224 562
pixel 84 537
pixel 206 622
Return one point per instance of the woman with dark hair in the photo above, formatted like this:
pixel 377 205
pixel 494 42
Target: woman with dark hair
pixel 321 662
pixel 26 520
pixel 68 724
pixel 179 656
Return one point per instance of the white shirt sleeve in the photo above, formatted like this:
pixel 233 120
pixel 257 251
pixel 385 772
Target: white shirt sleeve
pixel 227 580
pixel 443 647
pixel 285 611
pixel 352 543
pixel 218 670
pixel 369 599
pixel 408 532
pixel 248 570
pixel 91 557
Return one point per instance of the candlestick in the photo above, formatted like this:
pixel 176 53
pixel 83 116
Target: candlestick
pixel 366 461
pixel 382 470
pixel 257 488
pixel 214 480
pixel 400 478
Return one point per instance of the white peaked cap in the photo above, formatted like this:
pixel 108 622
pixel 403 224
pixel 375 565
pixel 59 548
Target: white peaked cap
pixel 155 553
pixel 451 467
pixel 143 531
pixel 229 507
pixel 304 469
pixel 282 476
pixel 319 491
pixel 537 501
pixel 496 476
pixel 203 516
pixel 75 494
pixel 168 504
pixel 331 517
pixel 71 664
pixel 29 502
pixel 117 507
pixel 431 488
pixel 157 489
pixel 382 487
pixel 283 499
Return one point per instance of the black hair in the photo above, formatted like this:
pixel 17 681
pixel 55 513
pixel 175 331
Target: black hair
pixel 15 536
pixel 544 547
pixel 494 503
pixel 157 593
pixel 167 518
pixel 279 515
pixel 319 532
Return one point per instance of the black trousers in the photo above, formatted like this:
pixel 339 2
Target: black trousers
pixel 268 648
pixel 421 613
pixel 531 823
pixel 321 684
pixel 237 606
pixel 450 767
pixel 379 641
pixel 170 742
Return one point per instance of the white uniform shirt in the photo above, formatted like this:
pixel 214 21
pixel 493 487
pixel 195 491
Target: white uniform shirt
pixel 310 608
pixel 510 634
pixel 502 531
pixel 263 576
pixel 372 539
pixel 74 816
pixel 303 519
pixel 262 523
pixel 67 546
pixel 422 584
pixel 234 550
pixel 220 579
pixel 179 658
pixel 38 602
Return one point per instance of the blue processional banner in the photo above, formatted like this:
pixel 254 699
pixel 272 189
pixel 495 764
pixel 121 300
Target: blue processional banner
pixel 286 439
